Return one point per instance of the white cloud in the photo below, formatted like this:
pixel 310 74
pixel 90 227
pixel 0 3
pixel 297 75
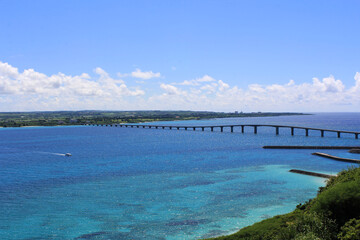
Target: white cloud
pixel 8 70
pixel 223 86
pixel 328 84
pixel 170 89
pixel 189 83
pixel 32 90
pixel 291 83
pixel 210 88
pixel 122 75
pixel 197 81
pixel 205 78
pixel 356 88
pixel 144 75
pixel 256 88
pixel 326 94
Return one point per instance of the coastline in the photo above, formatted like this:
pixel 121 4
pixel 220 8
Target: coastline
pixel 35 126
pixel 325 179
pixel 20 119
pixel 261 214
pixel 325 216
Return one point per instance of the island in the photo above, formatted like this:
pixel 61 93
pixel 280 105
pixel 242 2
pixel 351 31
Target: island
pixel 59 118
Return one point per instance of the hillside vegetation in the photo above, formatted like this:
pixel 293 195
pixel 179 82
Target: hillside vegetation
pixel 22 119
pixel 333 214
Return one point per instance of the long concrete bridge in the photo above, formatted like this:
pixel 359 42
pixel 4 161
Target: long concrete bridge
pixel 232 127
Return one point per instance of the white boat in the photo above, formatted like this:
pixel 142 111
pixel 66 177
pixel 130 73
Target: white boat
pixel 68 155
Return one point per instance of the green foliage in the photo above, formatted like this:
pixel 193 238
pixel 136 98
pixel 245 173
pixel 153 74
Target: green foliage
pixel 19 119
pixel 351 230
pixel 309 225
pixel 265 230
pixel 333 214
pixel 351 174
pixel 341 202
pixel 307 236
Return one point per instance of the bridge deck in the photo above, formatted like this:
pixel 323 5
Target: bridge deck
pixel 246 125
pixel 255 126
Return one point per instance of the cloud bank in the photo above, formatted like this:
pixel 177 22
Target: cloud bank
pixel 144 75
pixel 31 90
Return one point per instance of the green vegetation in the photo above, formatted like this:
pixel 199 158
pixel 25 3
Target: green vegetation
pixel 21 119
pixel 333 214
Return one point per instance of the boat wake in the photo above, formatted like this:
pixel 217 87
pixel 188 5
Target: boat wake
pixel 57 154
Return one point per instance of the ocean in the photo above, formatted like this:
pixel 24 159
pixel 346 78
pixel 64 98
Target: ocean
pixel 130 183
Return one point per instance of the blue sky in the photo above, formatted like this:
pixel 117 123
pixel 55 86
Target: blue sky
pixel 257 49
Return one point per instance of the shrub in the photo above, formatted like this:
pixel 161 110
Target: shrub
pixel 352 174
pixel 310 226
pixel 351 230
pixel 341 202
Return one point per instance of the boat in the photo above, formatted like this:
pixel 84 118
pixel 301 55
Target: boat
pixel 68 155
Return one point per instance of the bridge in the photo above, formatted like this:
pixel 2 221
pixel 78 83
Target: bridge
pixel 232 127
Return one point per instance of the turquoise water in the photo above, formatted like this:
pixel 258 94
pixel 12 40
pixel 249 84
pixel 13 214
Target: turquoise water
pixel 124 183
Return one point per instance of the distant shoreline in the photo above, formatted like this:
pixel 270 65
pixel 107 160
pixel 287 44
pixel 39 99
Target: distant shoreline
pixel 74 118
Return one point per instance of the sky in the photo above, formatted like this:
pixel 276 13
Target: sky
pixel 224 55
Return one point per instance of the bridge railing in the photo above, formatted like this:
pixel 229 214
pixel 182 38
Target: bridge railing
pixel 232 127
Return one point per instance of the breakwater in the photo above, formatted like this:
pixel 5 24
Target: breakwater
pixel 310 147
pixel 315 174
pixel 336 158
pixel 354 150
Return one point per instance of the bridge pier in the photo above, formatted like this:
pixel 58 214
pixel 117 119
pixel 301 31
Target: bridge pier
pixel 255 126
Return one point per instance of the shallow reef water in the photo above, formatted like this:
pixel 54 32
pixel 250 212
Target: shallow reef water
pixel 130 183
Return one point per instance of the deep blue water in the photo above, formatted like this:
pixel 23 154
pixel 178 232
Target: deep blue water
pixel 129 183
